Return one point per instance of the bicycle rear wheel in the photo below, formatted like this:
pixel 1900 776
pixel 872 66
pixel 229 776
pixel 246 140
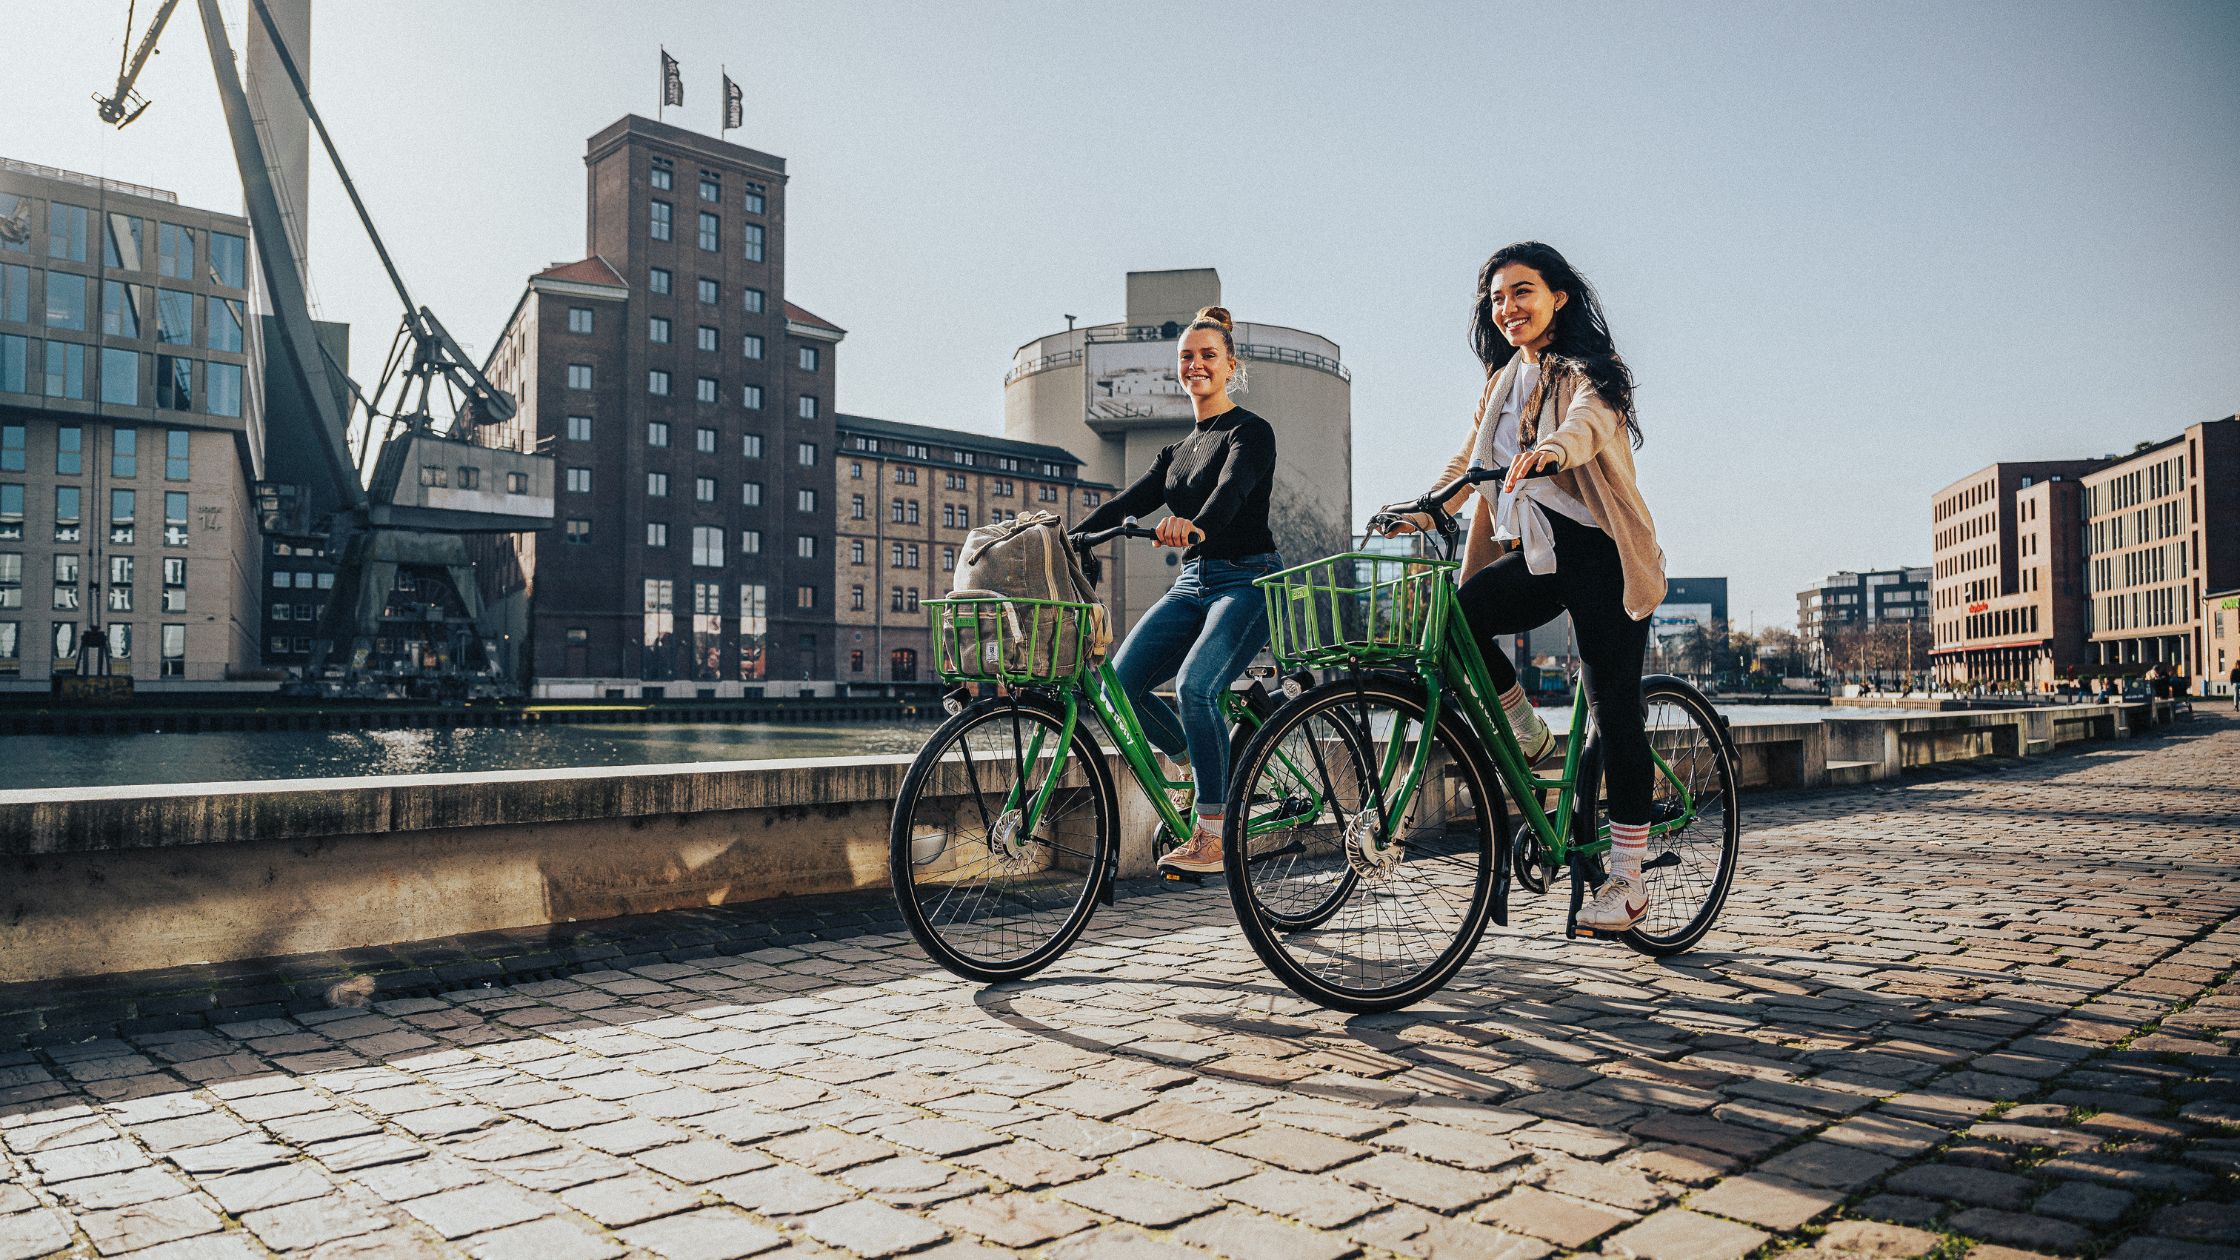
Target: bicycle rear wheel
pixel 1689 868
pixel 1365 917
pixel 986 898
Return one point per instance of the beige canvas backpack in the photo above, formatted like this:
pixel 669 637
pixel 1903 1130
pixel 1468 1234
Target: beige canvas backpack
pixel 1028 557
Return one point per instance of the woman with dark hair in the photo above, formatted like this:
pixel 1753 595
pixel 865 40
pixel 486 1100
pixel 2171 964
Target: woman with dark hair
pixel 1212 621
pixel 1558 397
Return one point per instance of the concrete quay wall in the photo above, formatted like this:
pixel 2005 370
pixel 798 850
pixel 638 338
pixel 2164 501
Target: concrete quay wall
pixel 101 880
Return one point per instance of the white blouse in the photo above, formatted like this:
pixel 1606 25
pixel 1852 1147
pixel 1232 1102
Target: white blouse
pixel 1520 514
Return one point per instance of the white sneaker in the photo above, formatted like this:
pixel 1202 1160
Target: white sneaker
pixel 1617 906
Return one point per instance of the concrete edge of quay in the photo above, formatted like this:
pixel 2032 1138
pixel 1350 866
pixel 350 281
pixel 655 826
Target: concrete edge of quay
pixel 104 881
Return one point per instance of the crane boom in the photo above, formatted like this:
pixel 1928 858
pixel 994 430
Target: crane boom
pixel 118 109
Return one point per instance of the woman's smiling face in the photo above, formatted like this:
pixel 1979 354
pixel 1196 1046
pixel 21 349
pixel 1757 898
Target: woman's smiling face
pixel 1203 363
pixel 1523 306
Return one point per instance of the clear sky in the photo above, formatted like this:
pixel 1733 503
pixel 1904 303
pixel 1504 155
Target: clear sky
pixel 1853 251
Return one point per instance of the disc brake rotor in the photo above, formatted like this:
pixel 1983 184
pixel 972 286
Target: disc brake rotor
pixel 1363 854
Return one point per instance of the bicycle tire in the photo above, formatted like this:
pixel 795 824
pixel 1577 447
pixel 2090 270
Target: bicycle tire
pixel 1023 895
pixel 1448 849
pixel 1315 914
pixel 1695 743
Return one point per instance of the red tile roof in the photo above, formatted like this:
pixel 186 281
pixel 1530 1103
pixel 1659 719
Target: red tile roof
pixel 592 270
pixel 799 315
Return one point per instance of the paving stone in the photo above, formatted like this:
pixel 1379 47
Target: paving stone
pixel 1241 1235
pixel 1766 1200
pixel 1020 1221
pixel 1300 1150
pixel 872 1229
pixel 1678 1234
pixel 1317 1201
pixel 1137 1200
pixel 542 1240
pixel 780 1191
pixel 700 1161
pixel 2041 1233
pixel 1414 1232
pixel 1566 1222
pixel 620 1201
pixel 1185 1163
pixel 1828 1164
pixel 2129 1173
pixel 2199 1219
pixel 1979 1186
pixel 146 1224
pixel 1119 1243
pixel 714 1233
pixel 309 1223
pixel 141 1185
pixel 1892 1136
pixel 1428 1186
pixel 1873 1240
pixel 2085 1203
pixel 28 1234
pixel 1454 1147
pixel 476 1209
pixel 2142 1247
pixel 1711 1135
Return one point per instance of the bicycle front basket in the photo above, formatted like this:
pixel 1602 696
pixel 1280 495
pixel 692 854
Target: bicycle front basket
pixel 1358 608
pixel 985 638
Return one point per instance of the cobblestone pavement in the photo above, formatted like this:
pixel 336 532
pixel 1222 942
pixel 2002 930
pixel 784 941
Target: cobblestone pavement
pixel 1989 1016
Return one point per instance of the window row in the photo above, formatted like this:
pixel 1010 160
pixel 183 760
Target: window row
pixel 124 452
pixel 69 370
pixel 127 310
pixel 662 174
pixel 69 577
pixel 224 256
pixel 69 518
pixel 118 636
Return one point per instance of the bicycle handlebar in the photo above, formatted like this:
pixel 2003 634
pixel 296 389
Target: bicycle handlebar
pixel 1126 529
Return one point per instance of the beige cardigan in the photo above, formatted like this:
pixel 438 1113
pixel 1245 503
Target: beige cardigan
pixel 1597 470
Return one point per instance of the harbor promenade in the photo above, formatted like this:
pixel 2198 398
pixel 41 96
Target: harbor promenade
pixel 1946 1014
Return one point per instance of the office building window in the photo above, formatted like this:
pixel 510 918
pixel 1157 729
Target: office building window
pixel 855 604
pixel 753 201
pixel 657 330
pixel 855 551
pixel 662 173
pixel 808 358
pixel 577 531
pixel 750 445
pixel 174 518
pixel 751 300
pixel 805 500
pixel 657 382
pixel 711 186
pixel 175 251
pixel 704 489
pixel 66 234
pixel 120 584
pixel 470 477
pixel 657 433
pixel 805 546
pixel 805 597
pixel 711 232
pixel 69 451
pixel 704 389
pixel 120 377
pixel 658 223
pixel 657 534
pixel 66 581
pixel 579 428
pixel 750 542
pixel 710 293
pixel 750 397
pixel 704 441
pixel 579 376
pixel 123 516
pixel 11 579
pixel 807 454
pixel 750 493
pixel 750 347
pixel 579 481
pixel 707 546
pixel 11 512
pixel 229 260
pixel 66 301
pixel 579 319
pixel 175 585
pixel 222 324
pixel 120 308
pixel 807 407
pixel 658 280
pixel 221 388
pixel 175 651
pixel 11 448
pixel 120 245
pixel 706 337
pixel 15 293
pixel 752 234
pixel 855 507
pixel 657 485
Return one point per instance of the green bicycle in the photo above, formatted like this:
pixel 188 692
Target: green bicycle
pixel 1411 756
pixel 1005 835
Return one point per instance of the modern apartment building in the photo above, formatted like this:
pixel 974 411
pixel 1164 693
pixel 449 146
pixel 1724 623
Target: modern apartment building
pixel 2006 599
pixel 2162 531
pixel 2221 650
pixel 1859 599
pixel 690 407
pixel 904 496
pixel 131 434
pixel 1109 393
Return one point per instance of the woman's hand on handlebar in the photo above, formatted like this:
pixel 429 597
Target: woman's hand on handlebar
pixel 1178 531
pixel 1538 461
pixel 1392 524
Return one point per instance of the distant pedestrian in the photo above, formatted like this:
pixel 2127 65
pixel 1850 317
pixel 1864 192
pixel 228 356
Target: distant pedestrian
pixel 2235 680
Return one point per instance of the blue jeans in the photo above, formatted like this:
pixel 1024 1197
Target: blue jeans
pixel 1201 633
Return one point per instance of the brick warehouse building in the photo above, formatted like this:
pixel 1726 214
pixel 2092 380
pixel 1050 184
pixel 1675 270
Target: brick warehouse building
pixel 690 409
pixel 906 495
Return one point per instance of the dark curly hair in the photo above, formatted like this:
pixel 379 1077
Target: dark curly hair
pixel 1579 337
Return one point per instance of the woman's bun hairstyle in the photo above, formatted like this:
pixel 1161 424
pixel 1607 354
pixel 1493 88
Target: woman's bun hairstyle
pixel 1217 318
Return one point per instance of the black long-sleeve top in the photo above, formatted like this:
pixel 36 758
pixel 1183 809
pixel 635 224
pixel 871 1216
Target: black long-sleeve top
pixel 1218 477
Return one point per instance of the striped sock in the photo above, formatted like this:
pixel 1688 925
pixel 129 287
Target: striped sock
pixel 1533 735
pixel 1628 843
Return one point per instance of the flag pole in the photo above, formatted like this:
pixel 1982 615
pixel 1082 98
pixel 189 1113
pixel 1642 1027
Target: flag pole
pixel 661 111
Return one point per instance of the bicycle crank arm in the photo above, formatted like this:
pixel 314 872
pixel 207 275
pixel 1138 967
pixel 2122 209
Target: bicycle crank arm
pixel 1661 861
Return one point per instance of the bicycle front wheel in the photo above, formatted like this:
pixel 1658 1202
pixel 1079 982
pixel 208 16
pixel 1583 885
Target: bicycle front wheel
pixel 1691 859
pixel 992 889
pixel 1375 889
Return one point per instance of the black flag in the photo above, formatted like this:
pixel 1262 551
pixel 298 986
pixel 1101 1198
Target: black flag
pixel 734 105
pixel 672 81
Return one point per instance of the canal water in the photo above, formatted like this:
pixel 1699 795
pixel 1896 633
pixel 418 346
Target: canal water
pixel 64 761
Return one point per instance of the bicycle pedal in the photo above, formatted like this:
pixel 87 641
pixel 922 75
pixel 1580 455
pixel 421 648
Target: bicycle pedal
pixel 1173 876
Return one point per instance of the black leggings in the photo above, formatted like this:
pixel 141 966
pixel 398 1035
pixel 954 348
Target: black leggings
pixel 1505 598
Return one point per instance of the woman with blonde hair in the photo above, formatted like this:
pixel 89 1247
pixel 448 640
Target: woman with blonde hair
pixel 1214 484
